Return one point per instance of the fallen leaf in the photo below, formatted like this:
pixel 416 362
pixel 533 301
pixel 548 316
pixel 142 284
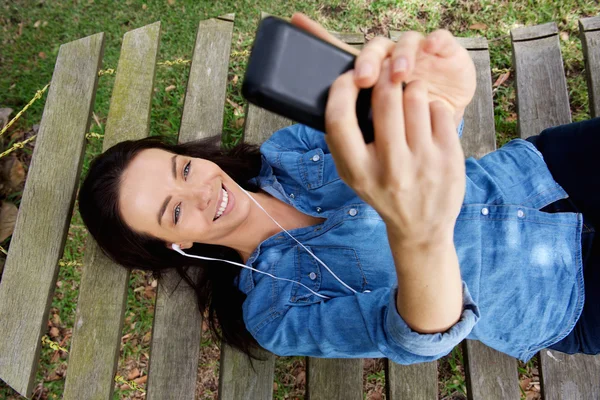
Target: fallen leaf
pixel 53 377
pixel 8 218
pixel 478 26
pixel 169 88
pixel 125 337
pixel 37 23
pixel 235 80
pixel 45 23
pixel 238 110
pixel 564 36
pixel 301 378
pixel 147 337
pixel 20 32
pixel 239 122
pixel 134 373
pixel 54 332
pixel 275 386
pixel 124 387
pixel 525 383
pixel 501 79
pixel 144 6
pixel 4 116
pixel 56 319
pixel 149 292
pixel 42 55
pixel 154 283
pixel 97 120
pixel 16 174
pixel 59 284
pixel 141 379
pixel 171 2
pixel 375 396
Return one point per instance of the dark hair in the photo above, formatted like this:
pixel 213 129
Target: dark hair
pixel 213 281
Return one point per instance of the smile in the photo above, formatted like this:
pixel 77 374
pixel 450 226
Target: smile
pixel 224 203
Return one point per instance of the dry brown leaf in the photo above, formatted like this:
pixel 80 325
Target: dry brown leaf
pixel 525 383
pixel 144 7
pixel 564 36
pixel 147 337
pixel 235 80
pixel 239 123
pixel 16 176
pixel 37 23
pixel 8 218
pixel 301 378
pixel 375 396
pixel 478 26
pixel 54 332
pixel 169 88
pixel 501 79
pixel 154 283
pixel 53 377
pixel 171 2
pixel 42 55
pixel 275 386
pixel 56 319
pixel 238 110
pixel 134 373
pixel 4 116
pixel 149 292
pixel 141 379
pixel 125 337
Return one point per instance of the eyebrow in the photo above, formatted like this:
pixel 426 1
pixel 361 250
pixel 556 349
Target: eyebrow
pixel 161 212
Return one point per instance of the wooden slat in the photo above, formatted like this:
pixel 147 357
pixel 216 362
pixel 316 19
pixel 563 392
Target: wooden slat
pixel 46 207
pixel 334 379
pixel 540 75
pixel 490 374
pixel 407 382
pixel 103 290
pixel 542 97
pixel 589 32
pixel 177 322
pixel 238 378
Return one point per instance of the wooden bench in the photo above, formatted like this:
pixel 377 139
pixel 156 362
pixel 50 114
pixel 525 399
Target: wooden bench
pixel 31 269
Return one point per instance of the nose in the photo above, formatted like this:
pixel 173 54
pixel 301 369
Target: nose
pixel 200 195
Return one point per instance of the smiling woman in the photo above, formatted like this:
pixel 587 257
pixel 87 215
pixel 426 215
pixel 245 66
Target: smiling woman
pixel 171 192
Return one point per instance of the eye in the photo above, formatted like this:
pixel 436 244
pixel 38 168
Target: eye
pixel 176 212
pixel 186 169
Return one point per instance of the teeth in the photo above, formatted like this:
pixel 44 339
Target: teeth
pixel 223 204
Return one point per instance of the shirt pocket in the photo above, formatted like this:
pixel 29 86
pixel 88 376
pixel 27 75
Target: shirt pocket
pixel 343 261
pixel 316 169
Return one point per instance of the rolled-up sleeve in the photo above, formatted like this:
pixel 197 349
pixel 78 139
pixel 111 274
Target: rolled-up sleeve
pixel 357 326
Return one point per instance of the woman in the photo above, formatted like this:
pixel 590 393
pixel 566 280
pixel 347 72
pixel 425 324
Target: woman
pixel 397 248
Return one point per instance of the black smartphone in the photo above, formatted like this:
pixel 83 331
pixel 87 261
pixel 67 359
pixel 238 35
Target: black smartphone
pixel 290 72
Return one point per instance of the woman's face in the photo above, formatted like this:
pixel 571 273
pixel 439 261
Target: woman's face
pixel 176 198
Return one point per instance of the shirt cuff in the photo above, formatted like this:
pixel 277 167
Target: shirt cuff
pixel 460 127
pixel 431 344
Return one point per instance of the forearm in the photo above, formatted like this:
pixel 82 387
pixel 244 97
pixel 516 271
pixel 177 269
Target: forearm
pixel 429 295
pixel 458 116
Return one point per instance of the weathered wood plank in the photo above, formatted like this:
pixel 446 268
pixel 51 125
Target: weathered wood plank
pixel 238 377
pixel 46 207
pixel 103 290
pixel 540 76
pixel 490 374
pixel 569 377
pixel 407 382
pixel 334 378
pixel 589 32
pixel 541 86
pixel 177 322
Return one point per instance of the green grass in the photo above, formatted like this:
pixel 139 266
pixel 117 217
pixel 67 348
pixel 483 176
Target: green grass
pixel 32 32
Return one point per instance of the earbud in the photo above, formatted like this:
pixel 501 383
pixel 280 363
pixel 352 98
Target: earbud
pixel 175 247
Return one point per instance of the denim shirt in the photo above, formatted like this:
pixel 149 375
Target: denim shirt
pixel 521 268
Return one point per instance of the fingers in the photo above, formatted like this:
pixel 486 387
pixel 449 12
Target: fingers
pixel 388 119
pixel 404 55
pixel 417 119
pixel 443 125
pixel 344 136
pixel 441 43
pixel 368 63
pixel 303 22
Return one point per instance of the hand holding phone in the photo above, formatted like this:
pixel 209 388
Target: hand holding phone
pixel 291 71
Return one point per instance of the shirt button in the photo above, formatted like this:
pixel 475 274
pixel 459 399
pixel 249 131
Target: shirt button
pixel 319 209
pixel 312 276
pixel 316 157
pixel 520 214
pixel 485 211
pixel 353 212
pixel 292 195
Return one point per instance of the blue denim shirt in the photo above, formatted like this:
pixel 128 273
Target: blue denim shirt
pixel 521 268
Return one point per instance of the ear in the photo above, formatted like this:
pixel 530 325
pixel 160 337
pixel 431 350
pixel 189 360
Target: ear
pixel 182 245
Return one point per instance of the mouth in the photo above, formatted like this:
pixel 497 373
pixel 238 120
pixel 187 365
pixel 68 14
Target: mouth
pixel 223 204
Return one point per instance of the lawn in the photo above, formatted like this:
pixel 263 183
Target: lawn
pixel 32 31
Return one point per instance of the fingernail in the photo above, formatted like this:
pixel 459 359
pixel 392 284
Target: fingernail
pixel 364 70
pixel 400 64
